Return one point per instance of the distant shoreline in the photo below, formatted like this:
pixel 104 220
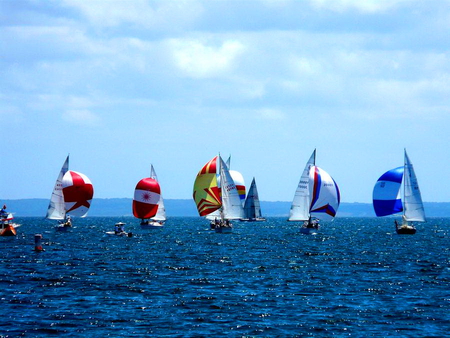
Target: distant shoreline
pixel 116 207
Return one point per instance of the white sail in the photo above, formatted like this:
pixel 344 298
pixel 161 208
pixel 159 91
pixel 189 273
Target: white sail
pixel 412 199
pixel 161 213
pixel 56 208
pixel 301 203
pixel 231 202
pixel 252 208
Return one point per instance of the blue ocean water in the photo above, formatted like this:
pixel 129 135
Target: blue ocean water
pixel 356 278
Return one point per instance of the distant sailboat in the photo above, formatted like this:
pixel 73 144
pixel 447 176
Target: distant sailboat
pixel 7 227
pixel 211 194
pixel 148 204
pixel 252 208
pixel 71 196
pixel 317 197
pixel 388 199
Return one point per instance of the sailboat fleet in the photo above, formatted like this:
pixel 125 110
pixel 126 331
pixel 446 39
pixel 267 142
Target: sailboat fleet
pixel 220 197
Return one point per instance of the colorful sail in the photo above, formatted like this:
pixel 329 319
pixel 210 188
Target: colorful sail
pixel 206 191
pixel 238 180
pixel 56 208
pixel 386 193
pixel 413 205
pixel 252 208
pixel 317 194
pixel 325 195
pixel 146 198
pixel 161 213
pixel 78 192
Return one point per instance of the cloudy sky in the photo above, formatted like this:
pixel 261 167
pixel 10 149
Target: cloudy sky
pixel 121 85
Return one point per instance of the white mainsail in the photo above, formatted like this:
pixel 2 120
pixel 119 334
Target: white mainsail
pixel 231 202
pixel 301 203
pixel 412 199
pixel 161 213
pixel 252 206
pixel 56 208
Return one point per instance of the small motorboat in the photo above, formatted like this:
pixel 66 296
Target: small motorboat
pixel 120 231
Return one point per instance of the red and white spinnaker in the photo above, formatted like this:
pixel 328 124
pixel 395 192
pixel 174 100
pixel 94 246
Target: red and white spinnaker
pixel 147 195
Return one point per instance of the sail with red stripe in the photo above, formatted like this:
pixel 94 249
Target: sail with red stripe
pixel 78 192
pixel 238 180
pixel 147 195
pixel 317 194
pixel 207 195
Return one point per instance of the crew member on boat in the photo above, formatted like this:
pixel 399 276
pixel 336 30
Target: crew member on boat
pixel 3 213
pixel 119 228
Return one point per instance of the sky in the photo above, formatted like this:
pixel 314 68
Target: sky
pixel 121 85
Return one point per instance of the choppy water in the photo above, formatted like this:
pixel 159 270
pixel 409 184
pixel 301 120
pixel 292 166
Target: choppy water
pixel 355 278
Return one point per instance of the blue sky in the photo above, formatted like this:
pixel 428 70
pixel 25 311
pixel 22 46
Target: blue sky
pixel 121 85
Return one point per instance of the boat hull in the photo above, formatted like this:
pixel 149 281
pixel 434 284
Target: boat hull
pixel 8 230
pixel 308 231
pixel 223 230
pixel 152 226
pixel 121 234
pixel 406 231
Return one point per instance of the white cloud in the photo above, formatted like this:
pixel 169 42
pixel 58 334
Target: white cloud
pixel 365 6
pixel 81 117
pixel 154 14
pixel 271 114
pixel 199 60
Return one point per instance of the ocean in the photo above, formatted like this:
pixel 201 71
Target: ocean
pixel 355 278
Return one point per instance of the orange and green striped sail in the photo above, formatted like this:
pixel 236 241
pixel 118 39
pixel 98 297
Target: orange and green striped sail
pixel 206 192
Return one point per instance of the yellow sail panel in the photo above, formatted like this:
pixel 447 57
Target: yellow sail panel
pixel 206 192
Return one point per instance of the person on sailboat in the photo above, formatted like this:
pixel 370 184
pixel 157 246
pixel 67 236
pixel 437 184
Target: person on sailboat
pixel 3 213
pixel 68 222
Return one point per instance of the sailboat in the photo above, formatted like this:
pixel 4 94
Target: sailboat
pixel 388 199
pixel 7 227
pixel 71 196
pixel 214 189
pixel 238 180
pixel 252 208
pixel 317 197
pixel 148 203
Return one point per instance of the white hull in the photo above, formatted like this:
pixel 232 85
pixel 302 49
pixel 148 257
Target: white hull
pixel 253 220
pixel 122 234
pixel 152 225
